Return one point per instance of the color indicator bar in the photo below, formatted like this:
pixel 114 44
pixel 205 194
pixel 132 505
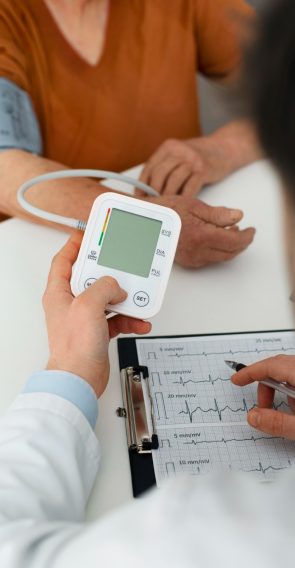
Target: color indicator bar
pixel 104 227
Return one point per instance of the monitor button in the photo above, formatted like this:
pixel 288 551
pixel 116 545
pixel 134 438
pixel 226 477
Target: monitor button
pixel 141 299
pixel 89 282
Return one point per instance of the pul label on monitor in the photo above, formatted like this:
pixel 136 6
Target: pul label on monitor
pixel 134 242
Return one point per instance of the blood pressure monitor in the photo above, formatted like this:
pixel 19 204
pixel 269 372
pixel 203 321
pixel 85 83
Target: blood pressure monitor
pixel 133 241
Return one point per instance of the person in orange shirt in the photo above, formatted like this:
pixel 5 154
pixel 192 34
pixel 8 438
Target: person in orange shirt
pixel 110 84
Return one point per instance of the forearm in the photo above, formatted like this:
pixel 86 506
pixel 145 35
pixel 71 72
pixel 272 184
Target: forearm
pixel 69 197
pixel 232 147
pixel 49 458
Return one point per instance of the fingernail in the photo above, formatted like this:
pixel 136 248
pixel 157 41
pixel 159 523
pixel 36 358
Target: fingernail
pixel 236 215
pixel 254 418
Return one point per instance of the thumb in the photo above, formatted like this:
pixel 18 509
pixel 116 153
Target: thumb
pixel 273 422
pixel 105 291
pixel 219 216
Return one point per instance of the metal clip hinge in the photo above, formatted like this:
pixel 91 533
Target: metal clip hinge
pixel 134 410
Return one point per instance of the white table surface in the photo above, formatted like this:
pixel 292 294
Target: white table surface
pixel 249 293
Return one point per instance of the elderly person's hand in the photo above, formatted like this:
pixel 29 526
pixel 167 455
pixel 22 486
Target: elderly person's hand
pixel 265 417
pixel 78 330
pixel 209 234
pixel 183 166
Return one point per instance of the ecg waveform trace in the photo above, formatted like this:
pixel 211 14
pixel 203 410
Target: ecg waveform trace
pixel 210 380
pixel 230 352
pixel 219 411
pixel 230 440
pixel 226 447
pixel 190 413
pixel 200 416
pixel 264 470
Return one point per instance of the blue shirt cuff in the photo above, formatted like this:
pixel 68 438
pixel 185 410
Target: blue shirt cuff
pixel 68 386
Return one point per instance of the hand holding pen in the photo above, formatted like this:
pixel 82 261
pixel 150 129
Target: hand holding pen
pixel 275 373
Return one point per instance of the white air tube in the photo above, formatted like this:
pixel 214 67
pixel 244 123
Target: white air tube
pixel 68 221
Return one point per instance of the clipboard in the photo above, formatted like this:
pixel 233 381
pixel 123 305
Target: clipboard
pixel 140 442
pixel 141 435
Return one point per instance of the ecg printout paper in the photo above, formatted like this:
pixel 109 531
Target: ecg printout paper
pixel 200 416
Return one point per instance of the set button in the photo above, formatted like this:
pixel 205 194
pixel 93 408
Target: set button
pixel 141 299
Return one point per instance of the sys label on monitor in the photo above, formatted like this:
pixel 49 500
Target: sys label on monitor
pixel 134 242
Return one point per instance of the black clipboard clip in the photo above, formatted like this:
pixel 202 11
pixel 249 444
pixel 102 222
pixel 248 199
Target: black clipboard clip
pixel 139 417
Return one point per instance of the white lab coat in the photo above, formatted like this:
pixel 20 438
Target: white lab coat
pixel 49 458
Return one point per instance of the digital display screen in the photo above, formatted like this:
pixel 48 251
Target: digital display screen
pixel 129 243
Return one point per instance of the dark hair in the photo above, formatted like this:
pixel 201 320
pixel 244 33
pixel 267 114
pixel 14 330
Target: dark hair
pixel 270 80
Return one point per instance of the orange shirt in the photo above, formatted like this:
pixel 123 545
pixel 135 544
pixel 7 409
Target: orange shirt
pixel 143 90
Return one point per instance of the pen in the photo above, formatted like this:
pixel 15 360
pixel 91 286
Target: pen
pixel 285 388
